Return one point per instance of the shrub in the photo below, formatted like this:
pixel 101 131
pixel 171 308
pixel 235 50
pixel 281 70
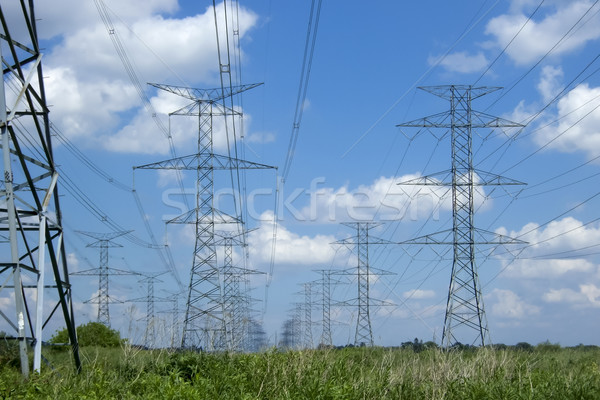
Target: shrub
pixel 91 334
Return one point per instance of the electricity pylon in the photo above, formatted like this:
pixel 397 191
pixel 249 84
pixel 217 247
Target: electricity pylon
pixel 307 308
pixel 103 242
pixel 30 213
pixel 325 290
pixel 205 303
pixel 464 307
pixel 235 304
pixel 362 241
pixel 150 299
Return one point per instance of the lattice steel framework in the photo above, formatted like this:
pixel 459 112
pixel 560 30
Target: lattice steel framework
pixel 362 241
pixel 325 284
pixel 30 214
pixel 103 242
pixel 235 302
pixel 307 307
pixel 464 307
pixel 204 309
pixel 150 300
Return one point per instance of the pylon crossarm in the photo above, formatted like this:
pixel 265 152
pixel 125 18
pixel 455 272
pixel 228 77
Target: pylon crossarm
pixel 482 120
pixel 449 91
pixel 202 161
pixel 190 217
pixel 429 180
pixel 211 95
pixel 430 121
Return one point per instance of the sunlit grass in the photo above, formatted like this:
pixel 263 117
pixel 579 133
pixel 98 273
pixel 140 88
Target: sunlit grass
pixel 350 373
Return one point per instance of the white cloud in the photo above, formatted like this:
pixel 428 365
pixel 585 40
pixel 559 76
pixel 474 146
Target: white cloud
pixel 291 248
pixel 387 198
pixel 539 36
pixel 507 304
pixel 588 295
pixel 90 93
pixel 567 234
pixel 578 126
pixel 72 262
pixel 550 82
pixel 418 294
pixel 461 62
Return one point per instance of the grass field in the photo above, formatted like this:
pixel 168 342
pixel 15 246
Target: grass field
pixel 544 372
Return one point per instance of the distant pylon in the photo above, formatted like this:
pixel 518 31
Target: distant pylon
pixel 235 304
pixel 362 240
pixel 204 308
pixel 103 242
pixel 150 299
pixel 325 284
pixel 464 307
pixel 307 307
pixel 30 214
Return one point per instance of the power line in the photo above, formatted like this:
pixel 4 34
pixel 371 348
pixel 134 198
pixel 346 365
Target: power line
pixel 309 49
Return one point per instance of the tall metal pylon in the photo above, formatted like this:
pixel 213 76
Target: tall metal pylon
pixel 103 242
pixel 464 307
pixel 30 213
pixel 362 241
pixel 307 307
pixel 150 299
pixel 204 308
pixel 325 290
pixel 325 284
pixel 234 302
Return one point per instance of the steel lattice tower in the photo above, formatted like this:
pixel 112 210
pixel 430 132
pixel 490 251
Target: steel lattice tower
pixel 103 242
pixel 150 299
pixel 235 304
pixel 307 307
pixel 325 284
pixel 464 307
pixel 30 213
pixel 362 240
pixel 204 308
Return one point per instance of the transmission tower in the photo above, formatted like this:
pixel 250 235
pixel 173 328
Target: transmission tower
pixel 362 241
pixel 29 201
pixel 103 242
pixel 307 307
pixel 325 290
pixel 464 307
pixel 205 295
pixel 150 299
pixel 235 304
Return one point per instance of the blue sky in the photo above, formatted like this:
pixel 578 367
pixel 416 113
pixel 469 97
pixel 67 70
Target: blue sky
pixel 368 62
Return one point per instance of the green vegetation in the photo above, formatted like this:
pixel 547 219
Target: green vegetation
pixel 91 334
pixel 540 372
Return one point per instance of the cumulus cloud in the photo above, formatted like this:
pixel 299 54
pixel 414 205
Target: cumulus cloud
pixel 538 36
pixel 565 235
pixel 550 82
pixel 461 62
pixel 386 199
pixel 587 296
pixel 507 304
pixel 578 126
pixel 291 248
pixel 92 98
pixel 418 294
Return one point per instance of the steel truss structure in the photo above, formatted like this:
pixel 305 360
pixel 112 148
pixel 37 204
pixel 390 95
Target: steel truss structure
pixel 364 272
pixel 204 322
pixel 103 242
pixel 30 215
pixel 464 307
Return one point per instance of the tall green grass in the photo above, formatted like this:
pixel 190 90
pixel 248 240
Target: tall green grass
pixel 351 373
